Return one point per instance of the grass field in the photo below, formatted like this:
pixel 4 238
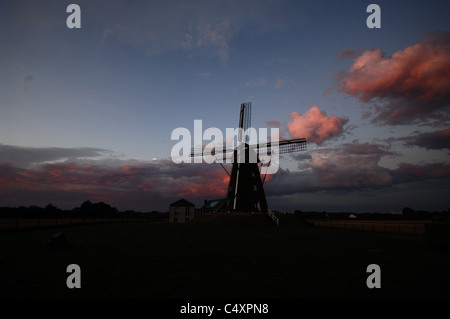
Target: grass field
pixel 382 226
pixel 239 257
pixel 7 224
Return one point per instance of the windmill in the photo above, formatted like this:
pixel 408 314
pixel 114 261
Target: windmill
pixel 245 189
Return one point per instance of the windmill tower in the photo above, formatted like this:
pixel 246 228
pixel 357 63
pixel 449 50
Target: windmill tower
pixel 245 189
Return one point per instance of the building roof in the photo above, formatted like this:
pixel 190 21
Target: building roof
pixel 215 204
pixel 183 203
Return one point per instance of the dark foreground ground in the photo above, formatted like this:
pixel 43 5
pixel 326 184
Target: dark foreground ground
pixel 248 258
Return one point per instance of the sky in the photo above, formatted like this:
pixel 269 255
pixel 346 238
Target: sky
pixel 87 113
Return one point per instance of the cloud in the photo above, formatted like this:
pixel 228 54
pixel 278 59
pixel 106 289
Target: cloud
pixel 217 36
pixel 315 125
pixel 279 83
pixel 333 170
pixel 436 140
pixel 104 35
pixel 347 54
pixel 195 27
pixel 145 186
pixel 255 82
pixel 327 91
pixel 440 37
pixel 25 156
pixel 273 123
pixel 352 167
pixel 412 85
pixel 122 183
pixel 357 148
pixel 407 173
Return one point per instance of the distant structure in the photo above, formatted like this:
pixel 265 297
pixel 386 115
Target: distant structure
pixel 245 190
pixel 214 205
pixel 181 211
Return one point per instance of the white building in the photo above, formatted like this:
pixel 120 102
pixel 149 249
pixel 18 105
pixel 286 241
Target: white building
pixel 181 211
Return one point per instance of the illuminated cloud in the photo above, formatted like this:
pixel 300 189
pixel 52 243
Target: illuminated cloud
pixel 120 183
pixel 412 85
pixel 146 186
pixel 315 125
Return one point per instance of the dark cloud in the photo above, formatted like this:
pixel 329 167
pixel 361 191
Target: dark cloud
pixel 121 183
pixel 347 54
pixel 367 149
pixel 408 173
pixel 145 186
pixel 334 173
pixel 351 167
pixel 24 156
pixel 441 37
pixel 357 148
pixel 422 195
pixel 436 140
pixel 301 156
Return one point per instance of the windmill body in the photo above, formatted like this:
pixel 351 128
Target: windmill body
pixel 245 189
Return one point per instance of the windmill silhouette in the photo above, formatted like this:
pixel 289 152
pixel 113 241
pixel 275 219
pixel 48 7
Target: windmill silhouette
pixel 245 189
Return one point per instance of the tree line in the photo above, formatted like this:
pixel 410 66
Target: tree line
pixel 87 209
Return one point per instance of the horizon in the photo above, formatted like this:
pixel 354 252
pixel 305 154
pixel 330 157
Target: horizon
pixel 87 113
pixel 50 206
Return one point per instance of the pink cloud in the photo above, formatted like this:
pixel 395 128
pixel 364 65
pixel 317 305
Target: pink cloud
pixel 419 71
pixel 413 82
pixel 119 185
pixel 274 123
pixel 327 91
pixel 279 83
pixel 315 125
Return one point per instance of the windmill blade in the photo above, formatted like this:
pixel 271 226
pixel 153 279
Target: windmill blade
pixel 285 146
pixel 219 152
pixel 245 121
pixel 295 145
